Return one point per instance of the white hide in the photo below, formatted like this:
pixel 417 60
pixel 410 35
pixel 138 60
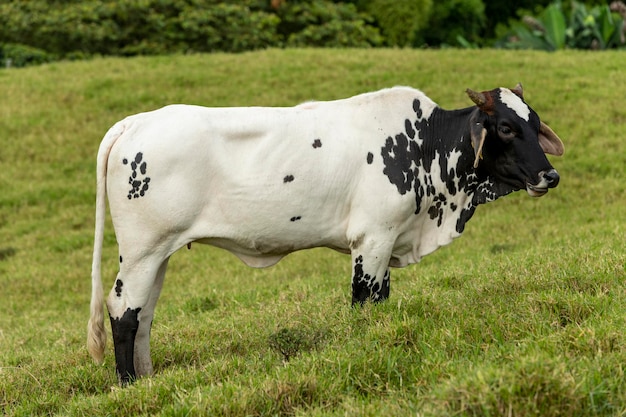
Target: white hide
pixel 217 175
pixel 515 103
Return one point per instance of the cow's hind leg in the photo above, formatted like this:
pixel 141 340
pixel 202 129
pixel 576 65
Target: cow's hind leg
pixel 124 328
pixel 370 274
pixel 142 359
pixel 127 300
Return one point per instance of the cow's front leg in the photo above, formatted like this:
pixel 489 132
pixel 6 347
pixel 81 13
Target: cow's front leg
pixel 370 274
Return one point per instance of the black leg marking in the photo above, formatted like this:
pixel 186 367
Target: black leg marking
pixel 124 331
pixel 361 283
pixel 365 287
pixel 381 293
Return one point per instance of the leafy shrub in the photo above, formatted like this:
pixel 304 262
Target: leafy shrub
pixel 227 27
pixel 499 12
pixel 16 55
pixel 450 20
pixel 57 28
pixel 552 29
pixel 597 28
pixel 400 20
pixel 130 27
pixel 322 23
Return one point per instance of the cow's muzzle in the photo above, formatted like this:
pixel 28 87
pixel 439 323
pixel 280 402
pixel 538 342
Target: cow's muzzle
pixel 547 179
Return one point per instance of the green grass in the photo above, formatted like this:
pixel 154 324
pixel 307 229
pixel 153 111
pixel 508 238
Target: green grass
pixel 522 316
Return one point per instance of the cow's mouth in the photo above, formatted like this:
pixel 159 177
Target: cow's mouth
pixel 536 190
pixel 547 179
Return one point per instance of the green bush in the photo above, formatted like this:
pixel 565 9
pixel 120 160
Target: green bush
pixel 131 27
pixel 16 55
pixel 596 28
pixel 499 12
pixel 226 27
pixel 58 28
pixel 400 20
pixel 450 20
pixel 321 23
pixel 558 28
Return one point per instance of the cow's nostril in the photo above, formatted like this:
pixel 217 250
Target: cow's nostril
pixel 552 178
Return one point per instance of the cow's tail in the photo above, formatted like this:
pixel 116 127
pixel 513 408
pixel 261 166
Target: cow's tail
pixel 96 334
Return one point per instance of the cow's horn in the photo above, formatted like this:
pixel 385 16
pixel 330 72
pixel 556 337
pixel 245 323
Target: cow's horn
pixel 478 98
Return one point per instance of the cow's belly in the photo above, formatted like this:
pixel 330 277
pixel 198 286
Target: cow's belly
pixel 249 256
pixel 260 233
pixel 263 253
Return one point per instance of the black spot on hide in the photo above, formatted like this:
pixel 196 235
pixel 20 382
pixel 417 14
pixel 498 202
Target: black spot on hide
pixel 398 155
pixel 288 178
pixel 317 143
pixel 466 214
pixel 118 287
pixel 139 186
pixel 370 157
pixel 417 108
pixel 409 129
pixel 436 210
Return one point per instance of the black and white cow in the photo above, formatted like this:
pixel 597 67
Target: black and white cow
pixel 386 176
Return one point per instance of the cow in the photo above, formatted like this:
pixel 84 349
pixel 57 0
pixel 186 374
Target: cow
pixel 387 177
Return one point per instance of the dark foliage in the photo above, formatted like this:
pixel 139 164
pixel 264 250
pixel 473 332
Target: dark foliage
pixel 74 29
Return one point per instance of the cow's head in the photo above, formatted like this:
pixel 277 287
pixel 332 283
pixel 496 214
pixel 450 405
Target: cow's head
pixel 510 142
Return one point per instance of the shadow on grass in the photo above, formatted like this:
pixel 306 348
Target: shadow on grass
pixel 6 253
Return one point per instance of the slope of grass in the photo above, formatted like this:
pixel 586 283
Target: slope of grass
pixel 523 315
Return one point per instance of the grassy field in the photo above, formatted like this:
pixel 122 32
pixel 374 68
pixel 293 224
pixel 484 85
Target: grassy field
pixel 522 316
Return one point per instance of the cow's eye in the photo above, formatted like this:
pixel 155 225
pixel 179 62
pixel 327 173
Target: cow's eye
pixel 505 131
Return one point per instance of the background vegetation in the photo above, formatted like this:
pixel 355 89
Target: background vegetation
pixel 522 316
pixel 37 31
pixel 576 26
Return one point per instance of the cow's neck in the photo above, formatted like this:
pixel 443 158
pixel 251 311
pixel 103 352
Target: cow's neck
pixel 433 156
pixel 447 143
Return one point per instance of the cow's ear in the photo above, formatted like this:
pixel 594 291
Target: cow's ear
pixel 549 141
pixel 518 90
pixel 478 133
